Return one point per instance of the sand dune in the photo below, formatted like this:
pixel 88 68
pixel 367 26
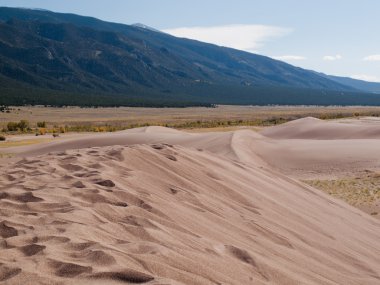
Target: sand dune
pixel 309 157
pixel 311 148
pixel 312 128
pixel 158 206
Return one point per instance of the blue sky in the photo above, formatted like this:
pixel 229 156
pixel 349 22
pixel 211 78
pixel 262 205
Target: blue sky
pixel 338 37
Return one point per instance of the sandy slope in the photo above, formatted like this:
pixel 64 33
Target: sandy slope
pixel 312 128
pixel 158 206
pixel 311 148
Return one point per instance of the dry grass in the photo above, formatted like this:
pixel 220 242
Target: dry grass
pixel 125 117
pixel 6 155
pixel 23 142
pixel 362 191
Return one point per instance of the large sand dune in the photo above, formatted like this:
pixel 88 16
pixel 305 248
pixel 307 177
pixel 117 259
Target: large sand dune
pixel 158 206
pixel 312 148
pixel 327 149
pixel 312 128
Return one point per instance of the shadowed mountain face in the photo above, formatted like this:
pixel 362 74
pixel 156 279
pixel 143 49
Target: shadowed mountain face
pixel 52 52
pixel 373 87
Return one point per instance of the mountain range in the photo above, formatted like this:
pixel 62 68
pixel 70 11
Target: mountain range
pixel 65 59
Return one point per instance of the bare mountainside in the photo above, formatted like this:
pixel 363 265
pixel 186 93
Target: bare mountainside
pixel 159 206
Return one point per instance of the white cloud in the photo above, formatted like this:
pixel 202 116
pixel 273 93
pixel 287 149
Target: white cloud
pixel 289 57
pixel 244 37
pixel 366 77
pixel 375 57
pixel 332 57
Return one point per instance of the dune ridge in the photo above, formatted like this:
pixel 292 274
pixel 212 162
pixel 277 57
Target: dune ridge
pixel 157 206
pixel 312 128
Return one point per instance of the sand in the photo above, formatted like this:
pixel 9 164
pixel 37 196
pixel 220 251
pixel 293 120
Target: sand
pixel 312 128
pixel 160 206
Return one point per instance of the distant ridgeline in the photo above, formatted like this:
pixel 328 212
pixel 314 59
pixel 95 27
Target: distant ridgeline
pixel 58 59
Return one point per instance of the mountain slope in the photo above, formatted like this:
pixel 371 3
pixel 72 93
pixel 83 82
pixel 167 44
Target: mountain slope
pixel 373 87
pixel 82 55
pixel 194 60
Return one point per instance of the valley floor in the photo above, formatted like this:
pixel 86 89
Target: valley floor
pixel 82 119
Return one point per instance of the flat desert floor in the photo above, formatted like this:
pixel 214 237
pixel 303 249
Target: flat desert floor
pixel 290 204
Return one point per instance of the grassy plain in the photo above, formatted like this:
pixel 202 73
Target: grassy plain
pixel 23 142
pixel 81 119
pixel 361 191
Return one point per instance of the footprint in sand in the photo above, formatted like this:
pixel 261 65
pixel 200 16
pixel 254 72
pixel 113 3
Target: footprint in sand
pixel 106 183
pixel 96 257
pixel 7 231
pixel 95 166
pixel 68 270
pixel 8 272
pixel 85 174
pixel 27 197
pixel 115 154
pixel 245 257
pixel 31 249
pixel 171 157
pixel 78 184
pixel 4 195
pixel 158 146
pixel 130 276
pixel 71 167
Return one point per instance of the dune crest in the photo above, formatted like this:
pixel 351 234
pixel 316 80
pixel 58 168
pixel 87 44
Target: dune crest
pixel 312 128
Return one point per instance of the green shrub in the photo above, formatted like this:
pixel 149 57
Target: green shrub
pixel 23 125
pixel 12 126
pixel 41 124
